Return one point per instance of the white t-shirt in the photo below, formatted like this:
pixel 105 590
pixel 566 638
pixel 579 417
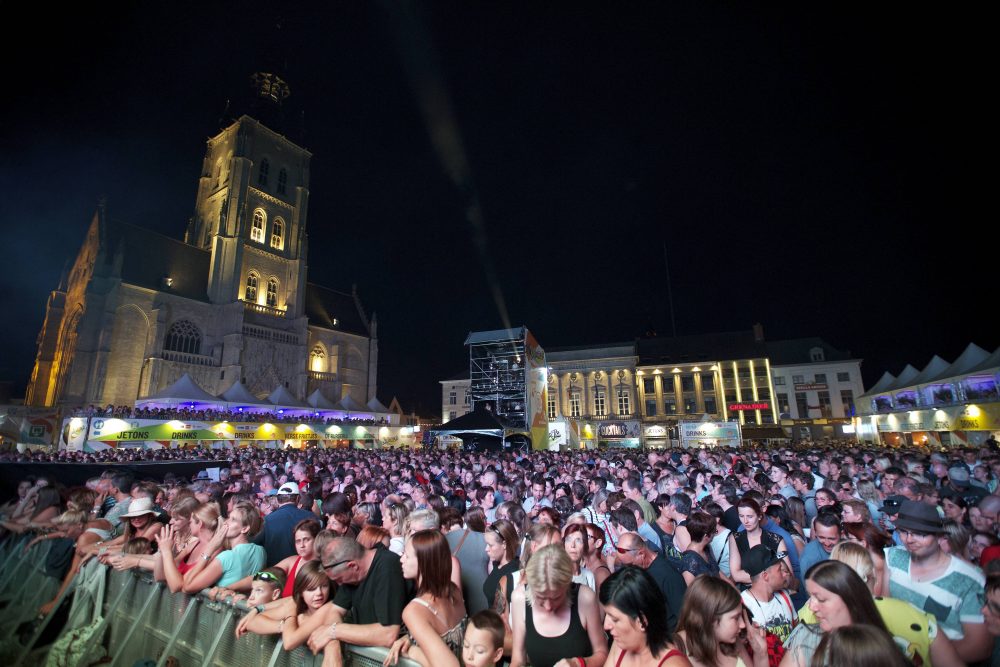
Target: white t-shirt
pixel 776 615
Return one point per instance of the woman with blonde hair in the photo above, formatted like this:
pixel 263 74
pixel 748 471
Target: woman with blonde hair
pixel 199 521
pixel 555 622
pixel 711 623
pixel 394 520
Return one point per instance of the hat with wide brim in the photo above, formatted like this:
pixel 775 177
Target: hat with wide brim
pixel 138 507
pixel 919 517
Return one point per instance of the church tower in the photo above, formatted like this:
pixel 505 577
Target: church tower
pixel 250 211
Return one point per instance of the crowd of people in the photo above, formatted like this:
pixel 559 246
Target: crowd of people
pixel 248 414
pixel 754 557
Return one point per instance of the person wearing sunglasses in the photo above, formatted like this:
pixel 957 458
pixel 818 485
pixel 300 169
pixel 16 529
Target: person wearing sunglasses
pixel 923 574
pixel 632 550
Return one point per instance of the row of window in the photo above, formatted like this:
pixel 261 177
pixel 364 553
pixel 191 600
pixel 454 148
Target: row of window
pixel 277 229
pixel 600 404
pixel 250 295
pixel 818 378
pixel 824 404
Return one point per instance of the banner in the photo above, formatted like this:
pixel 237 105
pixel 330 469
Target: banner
pixel 709 433
pixel 537 390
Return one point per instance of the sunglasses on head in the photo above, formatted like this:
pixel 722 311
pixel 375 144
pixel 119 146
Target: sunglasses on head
pixel 265 576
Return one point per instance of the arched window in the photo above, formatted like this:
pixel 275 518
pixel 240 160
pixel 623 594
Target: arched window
pixel 272 292
pixel 183 336
pixel 250 295
pixel 317 360
pixel 265 167
pixel 278 233
pixel 257 230
pixel 218 172
pixel 282 181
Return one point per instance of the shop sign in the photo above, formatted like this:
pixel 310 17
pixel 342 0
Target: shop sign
pixel 557 433
pixel 656 431
pixel 811 386
pixel 626 429
pixel 746 407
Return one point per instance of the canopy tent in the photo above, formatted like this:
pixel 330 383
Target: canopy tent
pixel 238 396
pixel 481 428
pixel 319 401
pixel 375 406
pixel 184 391
pixel 283 398
pixel 348 404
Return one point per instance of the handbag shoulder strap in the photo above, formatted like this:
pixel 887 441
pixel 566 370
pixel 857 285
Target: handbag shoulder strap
pixel 458 547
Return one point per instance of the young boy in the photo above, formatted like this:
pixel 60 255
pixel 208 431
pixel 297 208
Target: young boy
pixel 484 635
pixel 267 585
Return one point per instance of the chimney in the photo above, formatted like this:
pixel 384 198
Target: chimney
pixel 758 333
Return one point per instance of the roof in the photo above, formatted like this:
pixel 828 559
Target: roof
pixel 798 351
pixel 319 401
pixel 148 257
pixel 971 358
pixel 323 305
pixel 933 368
pixel 495 336
pixel 282 397
pixel 238 393
pixel 701 347
pixel 184 389
pixel 480 420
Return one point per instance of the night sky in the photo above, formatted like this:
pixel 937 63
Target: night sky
pixel 817 170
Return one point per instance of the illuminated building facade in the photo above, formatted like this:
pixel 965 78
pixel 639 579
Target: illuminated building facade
pixel 231 302
pixel 635 394
pixel 944 404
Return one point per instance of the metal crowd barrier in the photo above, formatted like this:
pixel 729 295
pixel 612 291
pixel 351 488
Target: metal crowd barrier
pixel 137 618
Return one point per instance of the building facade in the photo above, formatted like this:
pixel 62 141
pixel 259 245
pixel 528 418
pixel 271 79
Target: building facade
pixel 640 393
pixel 816 388
pixel 230 302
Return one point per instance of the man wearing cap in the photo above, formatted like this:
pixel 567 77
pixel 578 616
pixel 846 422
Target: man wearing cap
pixel 921 573
pixel 768 601
pixel 278 537
pixel 890 510
pixel 959 484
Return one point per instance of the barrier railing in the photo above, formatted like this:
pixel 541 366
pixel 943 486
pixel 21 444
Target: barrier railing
pixel 125 617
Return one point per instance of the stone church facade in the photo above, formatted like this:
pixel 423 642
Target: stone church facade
pixel 230 302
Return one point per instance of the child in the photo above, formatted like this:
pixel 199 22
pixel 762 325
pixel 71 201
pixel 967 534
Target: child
pixel 267 585
pixel 484 635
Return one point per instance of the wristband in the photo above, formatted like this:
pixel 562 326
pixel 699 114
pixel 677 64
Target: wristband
pixel 583 663
pixel 333 631
pixel 281 625
pixel 259 608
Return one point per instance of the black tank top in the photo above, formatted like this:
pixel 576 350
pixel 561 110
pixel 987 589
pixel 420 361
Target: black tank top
pixel 547 651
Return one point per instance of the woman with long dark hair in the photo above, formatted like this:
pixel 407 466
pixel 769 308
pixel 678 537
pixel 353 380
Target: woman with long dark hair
pixel 435 618
pixel 635 617
pixel 711 627
pixel 838 597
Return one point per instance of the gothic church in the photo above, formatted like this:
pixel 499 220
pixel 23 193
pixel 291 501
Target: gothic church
pixel 231 302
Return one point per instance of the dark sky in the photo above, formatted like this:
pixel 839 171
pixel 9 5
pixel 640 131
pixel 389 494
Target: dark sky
pixel 813 169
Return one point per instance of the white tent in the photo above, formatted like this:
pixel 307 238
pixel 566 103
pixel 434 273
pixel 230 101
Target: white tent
pixel 238 396
pixel 184 390
pixel 283 398
pixel 375 406
pixel 319 401
pixel 350 405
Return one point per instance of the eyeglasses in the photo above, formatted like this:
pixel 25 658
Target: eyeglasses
pixel 994 607
pixel 330 566
pixel 914 533
pixel 625 551
pixel 264 575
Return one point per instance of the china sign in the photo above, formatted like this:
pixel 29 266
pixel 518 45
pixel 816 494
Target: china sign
pixel 745 407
